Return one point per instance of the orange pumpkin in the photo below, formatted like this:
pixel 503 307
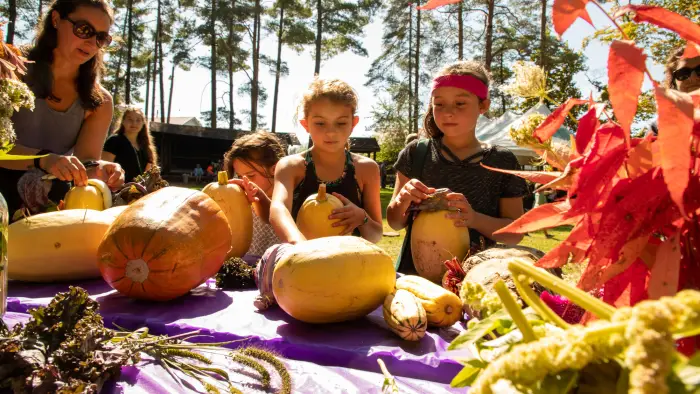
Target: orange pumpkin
pixel 164 244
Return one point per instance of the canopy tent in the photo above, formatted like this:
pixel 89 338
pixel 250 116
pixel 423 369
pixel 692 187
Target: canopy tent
pixel 495 132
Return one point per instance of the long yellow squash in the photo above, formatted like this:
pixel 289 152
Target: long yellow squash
pixel 442 307
pixel 57 246
pixel 332 279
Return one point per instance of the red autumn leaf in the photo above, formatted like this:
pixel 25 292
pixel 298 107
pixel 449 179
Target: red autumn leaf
pixel 664 18
pixel 587 126
pixel 432 4
pixel 690 258
pixel 691 50
pixel 675 129
pixel 570 251
pixel 665 272
pixel 630 205
pixel 566 179
pixel 544 216
pixel 626 65
pixel 629 287
pixel 598 169
pixel 639 159
pixel 628 255
pixel 565 13
pixel 554 121
pixel 541 177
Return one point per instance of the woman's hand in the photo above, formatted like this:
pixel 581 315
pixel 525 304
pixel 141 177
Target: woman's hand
pixel 65 168
pixel 351 216
pixel 110 173
pixel 414 191
pixel 464 215
pixel 251 189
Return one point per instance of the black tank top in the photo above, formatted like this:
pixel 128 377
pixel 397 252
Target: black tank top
pixel 346 185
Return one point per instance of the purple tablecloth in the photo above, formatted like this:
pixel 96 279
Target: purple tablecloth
pixel 307 377
pixel 230 315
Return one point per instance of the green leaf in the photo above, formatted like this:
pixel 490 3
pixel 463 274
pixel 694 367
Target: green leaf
pixel 468 374
pixel 479 330
pixel 689 373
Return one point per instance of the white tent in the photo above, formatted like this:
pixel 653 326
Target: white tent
pixel 495 132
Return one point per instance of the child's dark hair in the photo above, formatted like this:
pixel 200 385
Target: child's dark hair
pixel 262 148
pixel 144 138
pixel 467 67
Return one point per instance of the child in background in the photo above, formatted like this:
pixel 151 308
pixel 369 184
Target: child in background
pixel 484 201
pixel 252 159
pixel 329 108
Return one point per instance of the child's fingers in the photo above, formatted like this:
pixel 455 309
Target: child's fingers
pixel 340 215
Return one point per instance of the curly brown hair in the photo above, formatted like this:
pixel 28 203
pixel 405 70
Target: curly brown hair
pixel 335 90
pixel 466 67
pixel 262 148
pixel 145 139
pixel 671 64
pixel 40 76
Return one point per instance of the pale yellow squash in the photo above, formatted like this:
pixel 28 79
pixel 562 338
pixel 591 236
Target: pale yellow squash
pixel 57 246
pixel 312 219
pixel 95 195
pixel 442 307
pixel 332 279
pixel 434 239
pixel 233 202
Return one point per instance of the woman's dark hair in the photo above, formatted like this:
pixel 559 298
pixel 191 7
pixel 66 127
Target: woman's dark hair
pixel 40 76
pixel 262 148
pixel 144 138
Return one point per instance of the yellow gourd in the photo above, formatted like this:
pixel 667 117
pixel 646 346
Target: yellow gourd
pixel 434 239
pixel 332 279
pixel 55 246
pixel 405 315
pixel 442 307
pixel 312 219
pixel 233 202
pixel 95 195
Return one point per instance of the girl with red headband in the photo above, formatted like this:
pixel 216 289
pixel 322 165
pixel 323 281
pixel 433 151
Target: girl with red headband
pixel 482 200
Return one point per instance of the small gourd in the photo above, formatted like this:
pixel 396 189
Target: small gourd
pixel 234 203
pixel 312 219
pixel 95 195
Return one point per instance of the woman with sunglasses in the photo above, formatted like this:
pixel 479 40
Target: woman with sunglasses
pixel 682 74
pixel 72 110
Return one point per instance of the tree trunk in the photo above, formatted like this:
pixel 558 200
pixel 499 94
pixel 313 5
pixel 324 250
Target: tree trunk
pixel 229 58
pixel 319 35
pixel 212 21
pixel 115 88
pixel 159 28
pixel 501 82
pixel 170 95
pixel 460 32
pixel 416 59
pixel 410 69
pixel 255 87
pixel 155 74
pixel 129 45
pixel 543 35
pixel 148 85
pixel 12 10
pixel 278 68
pixel 41 10
pixel 489 34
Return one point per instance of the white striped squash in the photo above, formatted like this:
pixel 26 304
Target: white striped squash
pixel 405 315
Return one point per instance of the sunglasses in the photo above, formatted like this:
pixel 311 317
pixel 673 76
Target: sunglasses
pixel 84 30
pixel 684 73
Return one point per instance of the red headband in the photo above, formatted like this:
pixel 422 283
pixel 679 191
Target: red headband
pixel 467 82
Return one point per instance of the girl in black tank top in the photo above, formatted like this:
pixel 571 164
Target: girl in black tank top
pixel 329 117
pixel 346 185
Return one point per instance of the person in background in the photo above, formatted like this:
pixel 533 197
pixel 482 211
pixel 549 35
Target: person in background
pixel 72 111
pixel 132 145
pixel 198 173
